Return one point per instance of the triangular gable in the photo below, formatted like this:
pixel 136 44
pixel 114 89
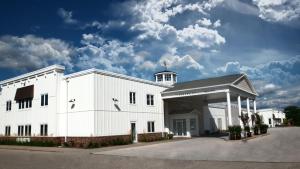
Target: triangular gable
pixel 245 84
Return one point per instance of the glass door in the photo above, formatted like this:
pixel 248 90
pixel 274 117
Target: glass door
pixel 179 127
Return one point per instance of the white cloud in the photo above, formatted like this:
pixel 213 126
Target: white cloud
pixel 154 23
pixel 181 62
pixel 204 22
pixel 110 55
pixel 31 52
pixel 278 10
pixel 200 37
pixel 67 16
pixel 230 68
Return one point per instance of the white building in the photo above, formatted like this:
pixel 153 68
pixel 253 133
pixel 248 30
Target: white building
pixel 99 103
pixel 272 117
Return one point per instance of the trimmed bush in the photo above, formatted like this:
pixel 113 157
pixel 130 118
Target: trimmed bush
pixel 263 128
pixel 235 132
pixel 256 130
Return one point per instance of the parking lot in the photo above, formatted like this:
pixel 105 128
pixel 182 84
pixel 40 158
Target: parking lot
pixel 282 145
pixel 280 149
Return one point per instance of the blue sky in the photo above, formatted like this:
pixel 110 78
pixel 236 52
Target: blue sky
pixel 197 39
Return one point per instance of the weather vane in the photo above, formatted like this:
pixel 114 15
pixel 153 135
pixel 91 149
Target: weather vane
pixel 165 65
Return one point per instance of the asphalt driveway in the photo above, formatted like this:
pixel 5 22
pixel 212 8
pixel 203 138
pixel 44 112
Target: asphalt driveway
pixel 282 145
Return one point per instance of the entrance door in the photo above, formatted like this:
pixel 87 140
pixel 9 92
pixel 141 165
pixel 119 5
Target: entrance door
pixel 133 132
pixel 219 123
pixel 179 127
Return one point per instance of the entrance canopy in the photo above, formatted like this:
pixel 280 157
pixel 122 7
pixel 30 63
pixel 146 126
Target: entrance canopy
pixel 214 90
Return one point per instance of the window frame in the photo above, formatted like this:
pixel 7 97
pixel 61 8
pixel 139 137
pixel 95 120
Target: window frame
pixel 160 78
pixel 151 126
pixel 168 77
pixel 132 97
pixel 44 99
pixel 44 129
pixel 8 105
pixel 7 130
pixel 150 102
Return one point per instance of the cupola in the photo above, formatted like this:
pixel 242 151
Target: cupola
pixel 166 77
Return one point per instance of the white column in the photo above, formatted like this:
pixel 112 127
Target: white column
pixel 239 105
pixel 248 111
pixel 163 77
pixel 229 109
pixel 254 106
pixel 240 109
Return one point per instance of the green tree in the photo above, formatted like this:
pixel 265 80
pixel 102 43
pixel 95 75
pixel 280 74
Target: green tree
pixel 292 113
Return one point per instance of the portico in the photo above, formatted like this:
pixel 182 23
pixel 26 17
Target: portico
pixel 190 106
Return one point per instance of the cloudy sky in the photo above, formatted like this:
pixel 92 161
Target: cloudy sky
pixel 197 39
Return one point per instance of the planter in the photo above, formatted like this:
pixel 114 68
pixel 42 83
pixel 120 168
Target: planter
pixel 249 134
pixel 235 136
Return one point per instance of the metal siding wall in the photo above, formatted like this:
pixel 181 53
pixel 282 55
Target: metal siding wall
pixel 36 115
pixel 110 121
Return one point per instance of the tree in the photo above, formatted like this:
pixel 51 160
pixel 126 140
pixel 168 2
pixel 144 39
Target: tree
pixel 292 113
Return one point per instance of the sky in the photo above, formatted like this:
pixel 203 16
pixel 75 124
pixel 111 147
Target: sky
pixel 197 39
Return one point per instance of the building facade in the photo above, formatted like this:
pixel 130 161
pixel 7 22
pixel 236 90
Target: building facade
pixel 94 103
pixel 272 117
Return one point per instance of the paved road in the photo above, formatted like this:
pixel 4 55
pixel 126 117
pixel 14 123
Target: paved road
pixel 14 157
pixel 282 145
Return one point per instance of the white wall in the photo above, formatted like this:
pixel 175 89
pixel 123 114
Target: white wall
pixel 37 115
pixel 110 120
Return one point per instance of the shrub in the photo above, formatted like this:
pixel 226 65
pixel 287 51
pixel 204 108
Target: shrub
pixel 263 128
pixel 31 143
pixel 256 129
pixel 235 132
pixel 247 128
pixel 170 136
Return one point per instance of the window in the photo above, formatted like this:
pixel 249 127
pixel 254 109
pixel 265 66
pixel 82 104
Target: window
pixel 193 124
pixel 7 130
pixel 150 99
pixel 132 97
pixel 44 99
pixel 270 121
pixel 8 105
pixel 28 130
pixel 20 130
pixel 151 126
pixel 44 130
pixel 159 78
pixel 168 77
pixel 25 103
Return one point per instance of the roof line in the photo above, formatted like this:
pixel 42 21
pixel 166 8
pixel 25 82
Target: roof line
pixel 112 74
pixel 226 84
pixel 33 73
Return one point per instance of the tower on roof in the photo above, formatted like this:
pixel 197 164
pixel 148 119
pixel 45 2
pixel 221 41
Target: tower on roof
pixel 165 77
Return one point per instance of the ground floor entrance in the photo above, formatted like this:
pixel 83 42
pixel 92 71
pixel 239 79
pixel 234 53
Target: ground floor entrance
pixel 179 127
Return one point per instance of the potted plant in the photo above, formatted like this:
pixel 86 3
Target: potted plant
pixel 235 132
pixel 247 131
pixel 263 128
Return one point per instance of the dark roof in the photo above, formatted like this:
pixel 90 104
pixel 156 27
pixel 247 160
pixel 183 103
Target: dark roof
pixel 165 71
pixel 205 82
pixel 24 93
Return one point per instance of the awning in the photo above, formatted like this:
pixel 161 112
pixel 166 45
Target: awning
pixel 24 93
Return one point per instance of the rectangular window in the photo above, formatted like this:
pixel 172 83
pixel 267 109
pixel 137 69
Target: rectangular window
pixel 159 78
pixel 44 99
pixel 44 130
pixel 150 99
pixel 8 105
pixel 132 97
pixel 7 130
pixel 270 121
pixel 168 77
pixel 151 126
pixel 25 103
pixel 28 130
pixel 20 130
pixel 193 124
